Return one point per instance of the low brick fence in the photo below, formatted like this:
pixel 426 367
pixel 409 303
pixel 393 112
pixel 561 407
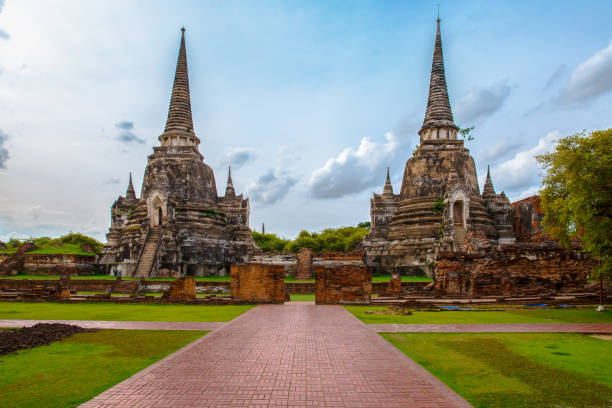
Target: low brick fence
pixel 117 286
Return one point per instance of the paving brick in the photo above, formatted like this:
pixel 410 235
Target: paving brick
pixel 297 355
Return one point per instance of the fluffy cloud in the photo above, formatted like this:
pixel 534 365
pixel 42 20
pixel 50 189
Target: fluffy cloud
pixel 521 173
pixel 354 170
pixel 590 79
pixel 126 135
pixel 483 102
pixel 271 187
pixel 111 181
pixel 500 150
pixel 3 33
pixel 555 77
pixel 239 156
pixel 4 154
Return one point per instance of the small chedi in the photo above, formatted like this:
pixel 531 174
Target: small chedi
pixel 179 225
pixel 440 214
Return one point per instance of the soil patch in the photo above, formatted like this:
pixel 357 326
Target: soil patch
pixel 37 335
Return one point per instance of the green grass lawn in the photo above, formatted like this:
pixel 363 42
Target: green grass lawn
pixel 52 249
pixel 121 312
pixel 375 278
pixel 387 278
pixel 109 277
pixel 302 296
pixel 156 294
pixel 506 316
pixel 516 369
pixel 69 372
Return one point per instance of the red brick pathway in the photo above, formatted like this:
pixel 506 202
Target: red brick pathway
pixel 284 356
pixel 103 324
pixel 496 328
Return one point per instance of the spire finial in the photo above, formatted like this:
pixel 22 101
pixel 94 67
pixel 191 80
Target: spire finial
pixel 488 191
pixel 130 194
pixel 179 113
pixel 438 113
pixel 229 190
pixel 388 189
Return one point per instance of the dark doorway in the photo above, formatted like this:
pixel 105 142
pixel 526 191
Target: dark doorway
pixel 458 213
pixel 159 216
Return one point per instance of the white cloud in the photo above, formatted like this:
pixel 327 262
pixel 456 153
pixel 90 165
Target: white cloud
pixel 479 103
pixel 555 77
pixel 126 135
pixel 239 156
pixel 500 150
pixel 354 170
pixel 4 154
pixel 271 187
pixel 521 173
pixel 591 78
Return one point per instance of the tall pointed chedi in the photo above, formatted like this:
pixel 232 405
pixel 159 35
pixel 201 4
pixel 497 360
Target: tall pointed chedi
pixel 439 200
pixel 439 113
pixel 179 125
pixel 179 225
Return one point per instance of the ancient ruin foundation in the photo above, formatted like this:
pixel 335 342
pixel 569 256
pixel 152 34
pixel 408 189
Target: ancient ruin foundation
pixel 258 283
pixel 344 284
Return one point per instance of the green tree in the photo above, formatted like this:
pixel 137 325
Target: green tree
pixel 366 225
pixel 466 133
pixel 269 242
pixel 577 194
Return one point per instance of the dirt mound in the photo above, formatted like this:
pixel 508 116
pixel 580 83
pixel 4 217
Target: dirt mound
pixel 37 335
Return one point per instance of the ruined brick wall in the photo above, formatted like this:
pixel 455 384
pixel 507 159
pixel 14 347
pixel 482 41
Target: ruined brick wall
pixel 527 219
pixel 300 287
pixel 55 264
pixel 258 283
pixel 520 269
pixel 346 284
pixel 339 256
pixel 303 269
pixel 182 289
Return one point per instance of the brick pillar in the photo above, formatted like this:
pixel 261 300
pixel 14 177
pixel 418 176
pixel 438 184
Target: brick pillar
pixel 395 286
pixel 303 269
pixel 258 283
pixel 182 289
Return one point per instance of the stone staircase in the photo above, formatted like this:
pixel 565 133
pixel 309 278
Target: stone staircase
pixel 147 257
pixel 459 237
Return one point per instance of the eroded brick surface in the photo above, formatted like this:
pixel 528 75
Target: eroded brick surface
pixel 285 356
pixel 258 283
pixel 182 289
pixel 303 269
pixel 347 284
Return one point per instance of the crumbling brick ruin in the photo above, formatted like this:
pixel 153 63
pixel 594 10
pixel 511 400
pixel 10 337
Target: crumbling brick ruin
pixel 258 283
pixel 512 270
pixel 178 226
pixel 440 225
pixel 303 269
pixel 182 289
pixel 344 284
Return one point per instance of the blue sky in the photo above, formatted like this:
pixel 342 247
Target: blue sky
pixel 309 101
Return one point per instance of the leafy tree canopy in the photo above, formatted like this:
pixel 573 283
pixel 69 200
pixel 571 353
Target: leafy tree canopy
pixel 328 240
pixel 577 194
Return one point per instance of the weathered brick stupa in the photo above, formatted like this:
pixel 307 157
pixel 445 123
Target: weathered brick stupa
pixel 178 226
pixel 439 200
